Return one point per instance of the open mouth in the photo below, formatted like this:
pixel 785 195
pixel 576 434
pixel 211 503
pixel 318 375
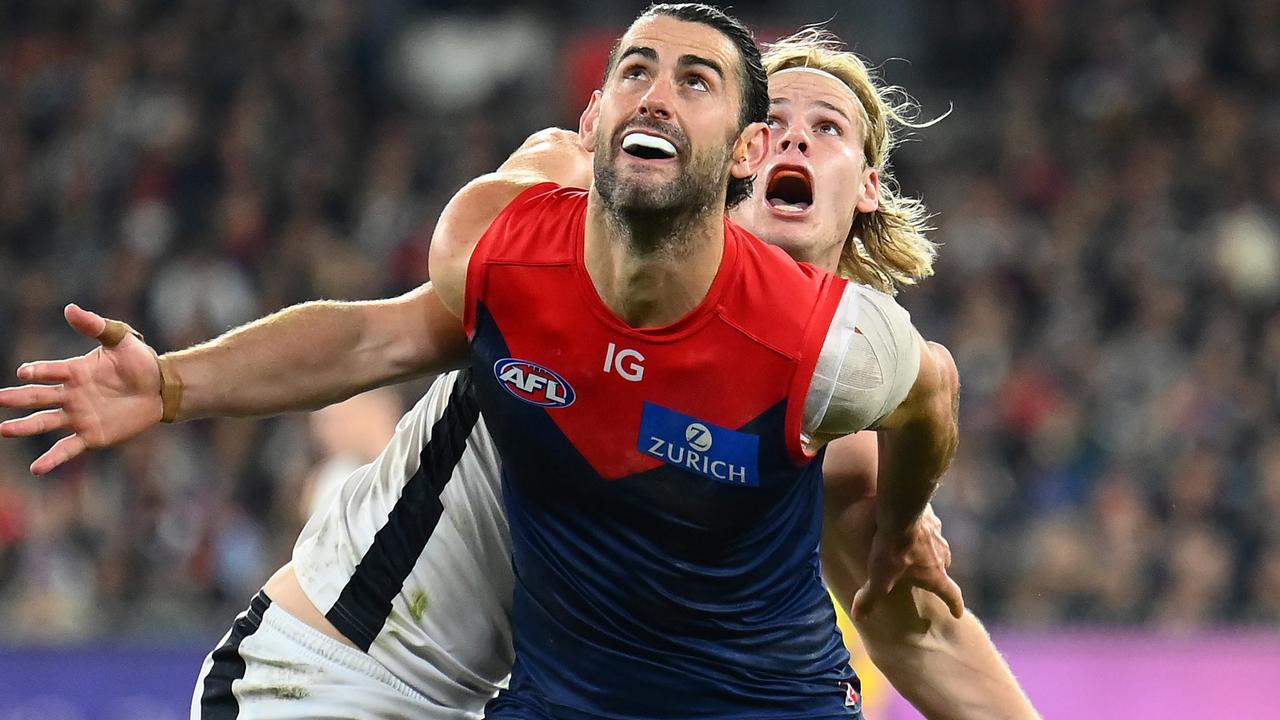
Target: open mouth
pixel 648 147
pixel 789 191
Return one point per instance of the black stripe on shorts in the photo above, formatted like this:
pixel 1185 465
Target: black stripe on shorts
pixel 365 602
pixel 217 702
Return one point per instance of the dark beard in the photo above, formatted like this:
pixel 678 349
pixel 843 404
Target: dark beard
pixel 652 218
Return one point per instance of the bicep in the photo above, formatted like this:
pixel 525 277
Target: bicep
pixel 868 365
pixel 934 392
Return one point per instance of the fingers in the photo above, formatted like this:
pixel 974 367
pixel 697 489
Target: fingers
pixel 35 423
pixel 114 332
pixel 105 330
pixel 66 449
pixel 30 397
pixel 878 585
pixel 46 371
pixel 864 601
pixel 88 324
pixel 948 591
pixel 954 598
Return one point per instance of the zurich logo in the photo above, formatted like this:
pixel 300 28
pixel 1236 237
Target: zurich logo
pixel 697 446
pixel 698 437
pixel 533 383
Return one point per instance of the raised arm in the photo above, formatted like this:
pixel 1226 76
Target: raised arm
pixel 317 353
pixel 942 661
pixel 917 443
pixel 303 357
pixel 946 667
pixel 875 371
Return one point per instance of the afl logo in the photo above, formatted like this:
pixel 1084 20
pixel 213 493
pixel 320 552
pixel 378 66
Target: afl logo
pixel 533 383
pixel 698 437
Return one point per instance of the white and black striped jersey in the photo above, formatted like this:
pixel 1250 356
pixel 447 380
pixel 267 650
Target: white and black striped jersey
pixel 412 559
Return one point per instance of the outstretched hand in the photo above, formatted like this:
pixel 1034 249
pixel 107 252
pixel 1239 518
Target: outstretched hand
pixel 917 555
pixel 104 397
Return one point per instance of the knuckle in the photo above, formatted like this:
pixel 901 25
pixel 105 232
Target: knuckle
pixel 76 373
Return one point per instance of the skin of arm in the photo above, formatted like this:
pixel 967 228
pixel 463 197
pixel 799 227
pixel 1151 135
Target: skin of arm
pixel 318 353
pixel 547 156
pixel 303 357
pixel 917 442
pixel 946 667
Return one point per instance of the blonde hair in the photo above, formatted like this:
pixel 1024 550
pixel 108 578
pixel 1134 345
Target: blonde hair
pixel 886 248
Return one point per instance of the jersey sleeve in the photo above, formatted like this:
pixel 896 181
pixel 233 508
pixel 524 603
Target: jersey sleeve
pixel 869 361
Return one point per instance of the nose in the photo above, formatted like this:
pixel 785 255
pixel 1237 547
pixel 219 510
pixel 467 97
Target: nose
pixel 656 102
pixel 793 137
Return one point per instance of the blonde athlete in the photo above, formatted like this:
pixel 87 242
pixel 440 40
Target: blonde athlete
pixel 834 130
pixel 445 629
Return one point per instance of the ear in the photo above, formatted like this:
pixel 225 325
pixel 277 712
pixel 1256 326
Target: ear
pixel 869 192
pixel 750 150
pixel 589 121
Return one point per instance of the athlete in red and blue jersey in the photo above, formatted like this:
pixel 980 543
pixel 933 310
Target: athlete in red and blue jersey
pixel 649 372
pixel 664 516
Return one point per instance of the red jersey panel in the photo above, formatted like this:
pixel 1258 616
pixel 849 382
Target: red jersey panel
pixel 528 270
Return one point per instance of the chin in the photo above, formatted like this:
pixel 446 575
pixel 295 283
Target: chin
pixel 795 240
pixel 645 197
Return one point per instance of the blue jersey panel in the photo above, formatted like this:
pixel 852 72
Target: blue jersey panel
pixel 689 590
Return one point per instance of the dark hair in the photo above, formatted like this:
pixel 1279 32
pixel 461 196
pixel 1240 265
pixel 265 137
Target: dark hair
pixel 755 83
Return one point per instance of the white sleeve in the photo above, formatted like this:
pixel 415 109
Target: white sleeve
pixel 868 364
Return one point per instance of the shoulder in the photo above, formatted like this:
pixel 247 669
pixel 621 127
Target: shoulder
pixel 550 158
pixel 465 221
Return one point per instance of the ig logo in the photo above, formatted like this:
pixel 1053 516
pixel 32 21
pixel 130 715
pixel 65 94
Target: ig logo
pixel 625 362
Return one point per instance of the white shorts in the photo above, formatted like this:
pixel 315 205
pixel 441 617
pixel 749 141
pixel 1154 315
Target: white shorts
pixel 272 666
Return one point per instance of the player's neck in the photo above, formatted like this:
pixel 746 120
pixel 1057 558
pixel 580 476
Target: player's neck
pixel 653 273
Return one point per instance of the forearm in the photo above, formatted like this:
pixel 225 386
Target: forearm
pixel 912 460
pixel 314 354
pixel 947 668
pixel 919 441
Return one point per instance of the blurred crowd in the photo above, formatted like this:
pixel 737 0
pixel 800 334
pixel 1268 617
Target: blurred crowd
pixel 1108 194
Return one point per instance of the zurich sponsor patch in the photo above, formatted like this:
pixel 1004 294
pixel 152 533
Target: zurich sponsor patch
pixel 533 383
pixel 721 454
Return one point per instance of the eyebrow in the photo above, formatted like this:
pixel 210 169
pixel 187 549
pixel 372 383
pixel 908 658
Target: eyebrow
pixel 834 109
pixel 687 60
pixel 651 55
pixel 644 52
pixel 820 103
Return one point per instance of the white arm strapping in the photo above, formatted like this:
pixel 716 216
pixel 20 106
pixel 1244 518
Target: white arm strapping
pixel 868 364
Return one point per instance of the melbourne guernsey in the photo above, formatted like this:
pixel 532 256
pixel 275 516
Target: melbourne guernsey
pixel 664 512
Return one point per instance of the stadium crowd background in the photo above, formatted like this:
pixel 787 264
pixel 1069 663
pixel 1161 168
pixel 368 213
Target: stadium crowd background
pixel 1108 196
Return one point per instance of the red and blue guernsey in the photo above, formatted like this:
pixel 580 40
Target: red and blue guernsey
pixel 664 516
